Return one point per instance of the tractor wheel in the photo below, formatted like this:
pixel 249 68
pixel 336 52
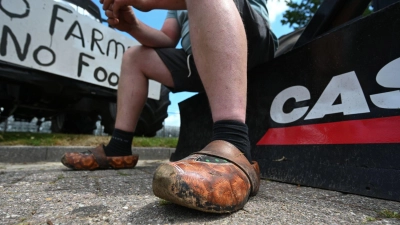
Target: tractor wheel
pixel 77 123
pixel 108 117
pixel 151 119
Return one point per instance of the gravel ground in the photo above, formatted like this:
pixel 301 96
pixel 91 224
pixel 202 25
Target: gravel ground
pixel 49 193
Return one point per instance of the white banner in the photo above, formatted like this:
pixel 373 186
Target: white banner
pixel 53 37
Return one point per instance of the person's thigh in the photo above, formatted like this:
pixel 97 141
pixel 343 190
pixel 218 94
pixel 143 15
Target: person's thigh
pixel 182 68
pixel 259 38
pixel 149 63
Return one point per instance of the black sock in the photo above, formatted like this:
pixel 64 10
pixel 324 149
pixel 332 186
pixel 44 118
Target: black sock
pixel 120 144
pixel 234 132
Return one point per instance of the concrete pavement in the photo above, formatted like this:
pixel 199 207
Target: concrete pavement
pixel 49 193
pixel 29 154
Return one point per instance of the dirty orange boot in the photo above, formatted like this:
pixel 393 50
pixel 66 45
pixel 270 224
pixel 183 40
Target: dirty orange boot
pixel 222 187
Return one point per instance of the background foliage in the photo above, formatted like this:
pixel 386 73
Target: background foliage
pixel 301 11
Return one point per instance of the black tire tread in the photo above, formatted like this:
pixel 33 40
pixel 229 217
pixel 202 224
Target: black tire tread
pixel 151 119
pixel 79 123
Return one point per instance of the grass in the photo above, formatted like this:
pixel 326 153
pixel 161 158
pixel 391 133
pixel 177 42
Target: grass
pixel 384 214
pixel 122 173
pixel 164 202
pixel 370 219
pixel 41 139
pixel 388 214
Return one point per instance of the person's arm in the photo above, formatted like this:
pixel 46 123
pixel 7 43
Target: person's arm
pixel 144 5
pixel 168 36
pixel 126 20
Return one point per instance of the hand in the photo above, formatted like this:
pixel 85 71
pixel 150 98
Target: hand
pixel 144 5
pixel 116 5
pixel 125 19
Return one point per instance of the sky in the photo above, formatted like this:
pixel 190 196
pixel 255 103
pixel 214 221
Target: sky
pixel 156 18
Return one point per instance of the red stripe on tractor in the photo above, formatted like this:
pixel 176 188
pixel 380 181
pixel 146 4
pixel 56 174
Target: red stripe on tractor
pixel 368 131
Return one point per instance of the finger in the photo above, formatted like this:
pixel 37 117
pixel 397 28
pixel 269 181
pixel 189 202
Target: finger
pixel 115 8
pixel 109 14
pixel 107 4
pixel 113 22
pixel 124 8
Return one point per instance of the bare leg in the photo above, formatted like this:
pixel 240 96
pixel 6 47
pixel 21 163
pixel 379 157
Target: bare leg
pixel 220 52
pixel 138 65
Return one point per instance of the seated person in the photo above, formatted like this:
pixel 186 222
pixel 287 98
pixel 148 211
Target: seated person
pixel 221 41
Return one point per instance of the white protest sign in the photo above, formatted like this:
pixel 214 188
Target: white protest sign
pixel 53 37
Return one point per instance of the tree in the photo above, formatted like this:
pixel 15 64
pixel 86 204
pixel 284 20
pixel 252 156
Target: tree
pixel 301 11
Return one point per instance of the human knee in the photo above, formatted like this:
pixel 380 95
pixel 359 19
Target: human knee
pixel 135 57
pixel 131 55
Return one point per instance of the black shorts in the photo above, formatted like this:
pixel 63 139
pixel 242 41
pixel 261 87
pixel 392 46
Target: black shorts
pixel 183 68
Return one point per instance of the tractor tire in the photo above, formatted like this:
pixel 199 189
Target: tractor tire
pixel 3 118
pixel 108 117
pixel 151 119
pixel 78 123
pixel 57 123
